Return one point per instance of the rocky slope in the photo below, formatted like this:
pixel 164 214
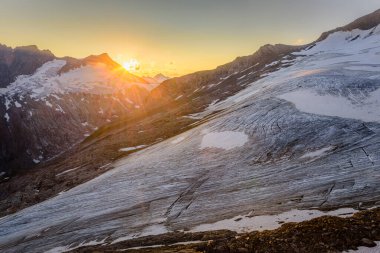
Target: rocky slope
pixel 300 132
pixel 202 88
pixel 363 23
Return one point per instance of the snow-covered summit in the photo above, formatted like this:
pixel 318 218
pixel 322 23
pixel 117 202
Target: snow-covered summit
pixel 92 78
pixel 61 102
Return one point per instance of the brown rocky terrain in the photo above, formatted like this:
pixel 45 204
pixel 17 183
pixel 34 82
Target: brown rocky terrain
pixel 319 235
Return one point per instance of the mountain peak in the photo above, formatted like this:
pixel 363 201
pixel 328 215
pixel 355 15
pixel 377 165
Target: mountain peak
pixel 101 58
pixel 32 49
pixel 161 77
pixel 27 48
pixel 363 23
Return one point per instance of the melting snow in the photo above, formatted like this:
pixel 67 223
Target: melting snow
pixel 17 104
pixel 7 103
pixel 69 248
pixel 6 116
pixel 132 148
pixel 248 223
pixel 225 140
pixel 156 229
pixel 162 245
pixel 271 64
pixel 59 109
pixel 363 249
pixel 56 97
pixel 178 97
pixel 316 153
pixel 178 140
pixel 193 116
pixel 67 171
pixel 329 105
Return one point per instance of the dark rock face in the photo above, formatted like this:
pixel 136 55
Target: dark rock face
pixel 37 132
pixel 20 61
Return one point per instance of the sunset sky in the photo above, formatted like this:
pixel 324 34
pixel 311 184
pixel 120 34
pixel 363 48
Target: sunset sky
pixel 174 37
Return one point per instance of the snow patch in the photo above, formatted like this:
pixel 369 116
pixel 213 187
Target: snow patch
pixel 7 103
pixel 67 171
pixel 224 140
pixel 363 249
pixel 59 109
pixel 69 248
pixel 329 105
pixel 180 96
pixel 248 223
pixel 132 148
pixel 6 116
pixel 156 229
pixel 178 140
pixel 317 153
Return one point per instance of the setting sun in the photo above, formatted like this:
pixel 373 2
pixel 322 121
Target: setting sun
pixel 131 65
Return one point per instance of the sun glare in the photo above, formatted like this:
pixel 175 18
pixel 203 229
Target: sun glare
pixel 131 65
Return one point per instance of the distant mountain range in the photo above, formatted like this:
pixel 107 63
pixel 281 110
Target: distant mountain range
pixel 49 103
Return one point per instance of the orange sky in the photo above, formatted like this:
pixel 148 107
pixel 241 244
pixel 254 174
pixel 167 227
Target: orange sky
pixel 173 37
